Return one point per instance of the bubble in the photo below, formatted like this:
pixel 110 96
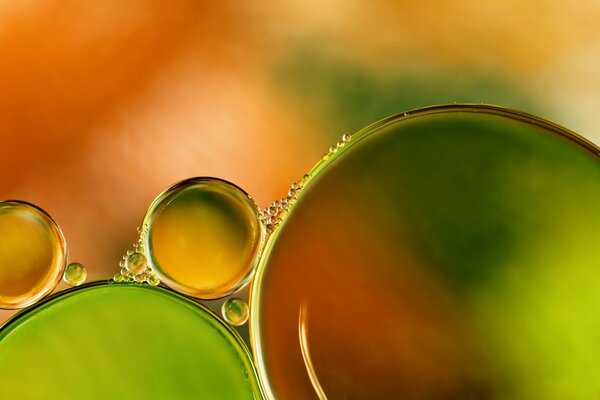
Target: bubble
pixel 153 280
pixel 32 254
pixel 447 253
pixel 136 263
pixel 123 341
pixel 203 237
pixel 235 311
pixel 75 274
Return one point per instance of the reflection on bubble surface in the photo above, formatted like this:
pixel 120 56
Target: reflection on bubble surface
pixel 32 254
pixel 449 253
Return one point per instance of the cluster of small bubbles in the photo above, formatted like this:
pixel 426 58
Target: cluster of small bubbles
pixel 333 149
pixel 75 274
pixel 134 265
pixel 235 311
pixel 273 214
pixel 142 232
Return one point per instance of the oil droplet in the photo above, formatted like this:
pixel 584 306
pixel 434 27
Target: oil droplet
pixel 203 237
pixel 75 274
pixel 118 278
pixel 153 280
pixel 32 254
pixel 235 311
pixel 136 263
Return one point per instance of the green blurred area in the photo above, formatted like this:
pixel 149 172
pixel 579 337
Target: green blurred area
pixel 347 95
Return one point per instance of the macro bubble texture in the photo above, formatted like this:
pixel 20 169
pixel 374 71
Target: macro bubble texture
pixel 32 254
pixel 450 252
pixel 204 235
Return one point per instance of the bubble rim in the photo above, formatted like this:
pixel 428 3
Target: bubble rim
pixel 255 299
pixel 54 279
pixel 165 195
pixel 235 339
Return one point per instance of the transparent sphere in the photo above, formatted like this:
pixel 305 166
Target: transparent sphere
pixel 75 274
pixel 32 254
pixel 235 311
pixel 203 238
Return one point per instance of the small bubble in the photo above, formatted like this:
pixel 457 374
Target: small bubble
pixel 346 138
pixel 153 280
pixel 235 311
pixel 75 274
pixel 136 263
pixel 140 278
pixel 118 278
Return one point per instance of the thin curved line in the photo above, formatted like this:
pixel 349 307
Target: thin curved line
pixel 302 335
pixel 256 287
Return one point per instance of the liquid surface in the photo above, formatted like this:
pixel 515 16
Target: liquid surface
pixel 121 341
pixel 32 254
pixel 451 254
pixel 204 235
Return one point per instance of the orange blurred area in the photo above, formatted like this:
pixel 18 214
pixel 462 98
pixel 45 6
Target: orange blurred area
pixel 103 104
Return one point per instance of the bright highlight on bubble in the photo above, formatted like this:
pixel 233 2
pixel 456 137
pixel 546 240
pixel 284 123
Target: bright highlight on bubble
pixel 235 311
pixel 32 254
pixel 75 274
pixel 203 238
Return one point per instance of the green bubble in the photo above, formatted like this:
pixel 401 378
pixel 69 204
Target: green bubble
pixel 235 311
pixel 75 274
pixel 120 341
pixel 450 252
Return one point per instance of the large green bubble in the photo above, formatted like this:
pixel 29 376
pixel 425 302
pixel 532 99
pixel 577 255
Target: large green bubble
pixel 122 342
pixel 448 253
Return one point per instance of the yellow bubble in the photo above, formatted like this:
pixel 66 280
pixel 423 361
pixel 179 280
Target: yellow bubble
pixel 75 274
pixel 204 235
pixel 32 254
pixel 136 263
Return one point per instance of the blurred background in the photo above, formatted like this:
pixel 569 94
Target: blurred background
pixel 103 104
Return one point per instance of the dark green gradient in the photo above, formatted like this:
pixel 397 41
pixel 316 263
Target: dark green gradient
pixel 451 253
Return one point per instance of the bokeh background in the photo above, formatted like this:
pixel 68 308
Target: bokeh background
pixel 103 104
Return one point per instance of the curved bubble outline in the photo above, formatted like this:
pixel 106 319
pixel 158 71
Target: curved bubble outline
pixel 235 340
pixel 369 130
pixel 164 195
pixel 53 282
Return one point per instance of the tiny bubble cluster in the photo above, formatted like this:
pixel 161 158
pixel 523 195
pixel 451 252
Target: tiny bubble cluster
pixel 134 265
pixel 334 149
pixel 273 214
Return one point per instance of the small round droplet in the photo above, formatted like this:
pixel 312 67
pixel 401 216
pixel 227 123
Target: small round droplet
pixel 75 274
pixel 118 278
pixel 153 280
pixel 136 263
pixel 235 311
